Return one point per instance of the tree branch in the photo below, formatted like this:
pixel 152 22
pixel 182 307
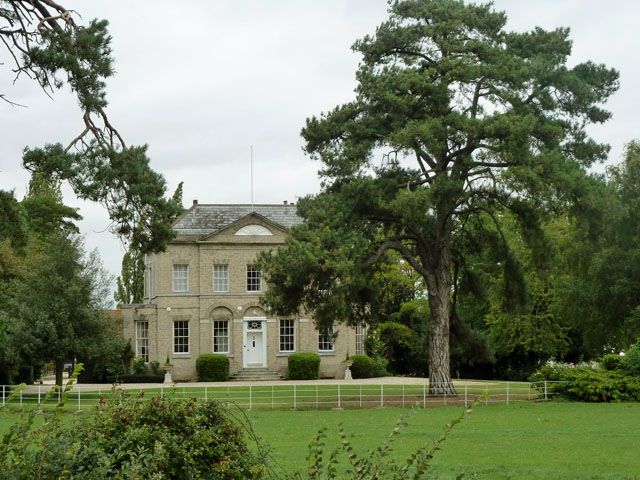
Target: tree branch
pixel 402 249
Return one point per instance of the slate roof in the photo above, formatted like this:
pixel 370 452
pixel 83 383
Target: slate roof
pixel 203 219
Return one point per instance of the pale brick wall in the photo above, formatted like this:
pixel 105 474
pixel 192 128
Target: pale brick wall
pixel 196 306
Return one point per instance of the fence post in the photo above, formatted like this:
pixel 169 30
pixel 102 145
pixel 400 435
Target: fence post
pixel 545 389
pixel 59 394
pixel 445 396
pixel 339 403
pixel 161 390
pixel 3 393
pixel 382 395
pixel 251 396
pixel 206 396
pixel 316 395
pixel 529 392
pixel 228 396
pixel 21 397
pixel 38 394
pixel 424 395
pixel 271 397
pixel 295 400
pixel 78 399
pixel 507 393
pixel 360 395
pixel 486 394
pixel 403 394
pixel 465 397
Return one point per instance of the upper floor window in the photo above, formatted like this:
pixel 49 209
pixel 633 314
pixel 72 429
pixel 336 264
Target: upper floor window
pixel 253 279
pixel 221 278
pixel 287 335
pixel 180 278
pixel 326 337
pixel 180 336
pixel 142 340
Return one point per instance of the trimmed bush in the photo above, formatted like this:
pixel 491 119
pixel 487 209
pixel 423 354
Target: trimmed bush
pixel 139 367
pixel 611 361
pixel 362 366
pixel 212 367
pixel 587 385
pixel 304 366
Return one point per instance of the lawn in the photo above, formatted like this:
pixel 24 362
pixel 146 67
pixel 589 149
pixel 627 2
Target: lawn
pixel 523 440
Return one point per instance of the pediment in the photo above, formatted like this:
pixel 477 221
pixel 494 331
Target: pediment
pixel 252 228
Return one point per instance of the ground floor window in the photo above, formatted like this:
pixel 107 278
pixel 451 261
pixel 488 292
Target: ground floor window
pixel 287 335
pixel 326 337
pixel 142 340
pixel 360 339
pixel 221 336
pixel 180 336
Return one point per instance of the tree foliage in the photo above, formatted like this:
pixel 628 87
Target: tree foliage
pixel 455 121
pixel 47 44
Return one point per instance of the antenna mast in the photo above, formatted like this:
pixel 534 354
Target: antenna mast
pixel 252 178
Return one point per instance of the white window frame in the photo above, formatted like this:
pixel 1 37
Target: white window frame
pixel 327 338
pixel 290 335
pixel 360 336
pixel 221 268
pixel 251 268
pixel 216 335
pixel 142 339
pixel 175 337
pixel 176 268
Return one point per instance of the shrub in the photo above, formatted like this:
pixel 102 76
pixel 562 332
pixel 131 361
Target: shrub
pixel 362 366
pixel 588 385
pixel 630 362
pixel 380 367
pixel 611 362
pixel 557 371
pixel 139 367
pixel 162 437
pixel 212 367
pixel 155 369
pixel 304 366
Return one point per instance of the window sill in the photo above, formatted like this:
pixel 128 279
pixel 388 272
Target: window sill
pixel 284 354
pixel 180 355
pixel 327 354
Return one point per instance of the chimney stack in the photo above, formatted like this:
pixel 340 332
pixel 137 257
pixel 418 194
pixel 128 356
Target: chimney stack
pixel 195 202
pixel 285 202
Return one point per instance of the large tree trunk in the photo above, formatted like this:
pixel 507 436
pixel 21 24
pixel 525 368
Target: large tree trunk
pixel 439 287
pixel 59 366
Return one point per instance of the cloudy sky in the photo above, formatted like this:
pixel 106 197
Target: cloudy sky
pixel 201 81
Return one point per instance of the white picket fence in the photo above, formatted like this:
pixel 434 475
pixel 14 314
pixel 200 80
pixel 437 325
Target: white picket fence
pixel 288 395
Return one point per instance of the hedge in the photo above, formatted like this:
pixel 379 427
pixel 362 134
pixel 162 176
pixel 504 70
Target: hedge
pixel 362 366
pixel 599 386
pixel 212 367
pixel 304 366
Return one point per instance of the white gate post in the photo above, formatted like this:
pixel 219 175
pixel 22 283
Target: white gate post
pixel 424 395
pixel 545 389
pixel 360 395
pixel 316 395
pixel 466 404
pixel 445 396
pixel 339 404
pixel 38 394
pixel 21 397
pixel 206 396
pixel 382 395
pixel 403 394
pixel 3 393
pixel 78 399
pixel 295 402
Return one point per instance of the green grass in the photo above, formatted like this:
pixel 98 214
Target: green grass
pixel 523 440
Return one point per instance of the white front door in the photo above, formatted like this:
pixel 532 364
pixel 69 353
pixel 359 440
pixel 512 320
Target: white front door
pixel 255 346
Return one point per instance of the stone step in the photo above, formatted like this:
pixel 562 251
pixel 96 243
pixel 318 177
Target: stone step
pixel 255 375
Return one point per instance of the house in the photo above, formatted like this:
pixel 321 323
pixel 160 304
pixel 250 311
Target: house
pixel 202 295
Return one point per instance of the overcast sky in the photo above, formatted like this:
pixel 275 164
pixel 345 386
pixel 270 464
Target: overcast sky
pixel 201 81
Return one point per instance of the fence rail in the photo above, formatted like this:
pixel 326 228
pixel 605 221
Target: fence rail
pixel 295 395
